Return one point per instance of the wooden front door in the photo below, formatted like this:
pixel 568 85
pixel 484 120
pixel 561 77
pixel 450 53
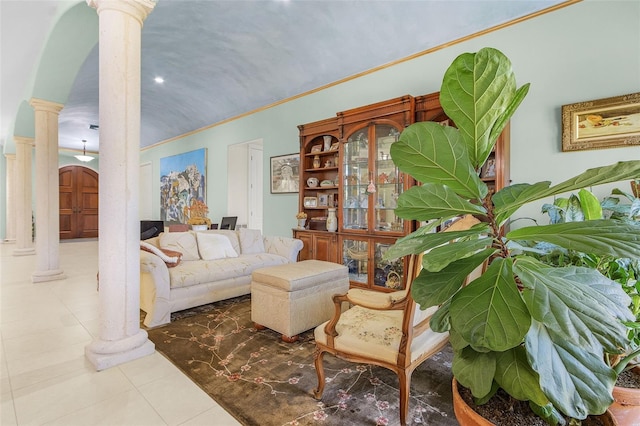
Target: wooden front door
pixel 78 202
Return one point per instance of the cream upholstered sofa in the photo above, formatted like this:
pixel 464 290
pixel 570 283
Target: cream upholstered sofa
pixel 214 265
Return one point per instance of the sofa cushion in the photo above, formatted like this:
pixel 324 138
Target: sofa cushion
pixel 205 271
pixel 184 242
pixel 231 235
pixel 251 241
pixel 214 246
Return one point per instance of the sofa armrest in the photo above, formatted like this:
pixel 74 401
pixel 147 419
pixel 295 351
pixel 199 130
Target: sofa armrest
pixel 284 246
pixel 155 288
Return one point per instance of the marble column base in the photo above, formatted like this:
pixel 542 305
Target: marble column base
pixel 106 354
pixel 42 276
pixel 24 252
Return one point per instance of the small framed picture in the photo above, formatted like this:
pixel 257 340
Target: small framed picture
pixel 323 200
pixel 316 148
pixel 285 172
pixel 310 202
pixel 489 169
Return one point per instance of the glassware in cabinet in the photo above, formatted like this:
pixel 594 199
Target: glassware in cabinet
pixel 388 274
pixel 355 200
pixel 355 256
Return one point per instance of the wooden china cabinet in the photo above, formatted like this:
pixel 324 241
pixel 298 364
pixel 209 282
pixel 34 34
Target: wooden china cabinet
pixel 346 165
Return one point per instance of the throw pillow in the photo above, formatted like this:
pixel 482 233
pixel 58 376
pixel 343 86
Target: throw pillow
pixel 170 257
pixel 214 246
pixel 184 242
pixel 251 241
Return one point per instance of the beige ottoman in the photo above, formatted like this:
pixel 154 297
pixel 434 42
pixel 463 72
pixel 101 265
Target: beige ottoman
pixel 296 297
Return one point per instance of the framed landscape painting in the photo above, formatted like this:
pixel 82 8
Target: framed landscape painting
pixel 182 179
pixel 603 123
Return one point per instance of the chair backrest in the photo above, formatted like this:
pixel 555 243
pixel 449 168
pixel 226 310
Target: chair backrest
pixel 228 222
pixel 416 321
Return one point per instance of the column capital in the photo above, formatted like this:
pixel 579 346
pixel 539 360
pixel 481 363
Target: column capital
pixel 139 9
pixel 44 105
pixel 9 156
pixel 23 140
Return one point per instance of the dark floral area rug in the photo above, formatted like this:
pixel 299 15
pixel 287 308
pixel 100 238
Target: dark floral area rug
pixel 263 381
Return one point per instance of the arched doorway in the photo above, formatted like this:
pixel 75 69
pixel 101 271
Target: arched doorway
pixel 78 202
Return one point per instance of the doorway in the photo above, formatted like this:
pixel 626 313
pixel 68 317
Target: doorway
pixel 78 189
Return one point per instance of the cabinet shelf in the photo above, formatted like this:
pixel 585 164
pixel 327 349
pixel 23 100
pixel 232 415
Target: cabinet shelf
pixel 322 169
pixel 320 188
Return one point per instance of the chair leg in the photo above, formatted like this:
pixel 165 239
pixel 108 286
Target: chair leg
pixel 404 379
pixel 317 392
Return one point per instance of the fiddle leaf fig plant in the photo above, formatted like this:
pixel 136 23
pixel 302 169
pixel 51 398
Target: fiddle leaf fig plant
pixel 537 331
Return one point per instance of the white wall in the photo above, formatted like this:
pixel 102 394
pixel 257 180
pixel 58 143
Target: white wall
pixel 585 51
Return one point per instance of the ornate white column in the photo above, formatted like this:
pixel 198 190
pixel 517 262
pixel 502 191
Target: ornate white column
pixel 121 339
pixel 23 183
pixel 47 192
pixel 10 226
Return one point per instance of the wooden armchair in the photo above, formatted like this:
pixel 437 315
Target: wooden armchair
pixel 385 329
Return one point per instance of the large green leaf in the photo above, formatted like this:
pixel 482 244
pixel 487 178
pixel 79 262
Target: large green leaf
pixel 440 257
pixel 476 90
pixel 622 170
pixel 573 303
pixel 489 313
pixel 432 153
pixel 434 288
pixel 507 200
pixel 576 381
pixel 601 237
pixel 419 242
pixel 432 201
pixel 515 375
pixel 474 370
pixel 590 205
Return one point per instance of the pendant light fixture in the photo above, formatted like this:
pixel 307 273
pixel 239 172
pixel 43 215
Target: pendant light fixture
pixel 84 157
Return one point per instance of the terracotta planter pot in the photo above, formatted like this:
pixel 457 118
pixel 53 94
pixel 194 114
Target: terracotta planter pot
pixel 626 407
pixel 466 416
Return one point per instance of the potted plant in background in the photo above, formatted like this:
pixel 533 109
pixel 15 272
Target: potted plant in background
pixel 624 271
pixel 302 219
pixel 535 331
pixel 197 215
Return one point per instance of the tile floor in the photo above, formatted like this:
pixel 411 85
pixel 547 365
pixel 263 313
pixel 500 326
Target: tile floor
pixel 44 376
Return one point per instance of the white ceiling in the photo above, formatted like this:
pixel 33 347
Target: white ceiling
pixel 221 59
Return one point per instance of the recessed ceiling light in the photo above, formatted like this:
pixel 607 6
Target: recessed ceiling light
pixel 159 80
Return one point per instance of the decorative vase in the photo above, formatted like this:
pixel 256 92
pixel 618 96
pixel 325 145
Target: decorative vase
pixel 316 162
pixel 327 142
pixel 332 220
pixel 301 223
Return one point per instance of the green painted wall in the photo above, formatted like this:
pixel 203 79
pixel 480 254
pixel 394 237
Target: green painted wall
pixel 586 51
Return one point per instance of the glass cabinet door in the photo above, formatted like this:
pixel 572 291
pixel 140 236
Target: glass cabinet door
pixel 355 200
pixel 388 274
pixel 388 180
pixel 355 255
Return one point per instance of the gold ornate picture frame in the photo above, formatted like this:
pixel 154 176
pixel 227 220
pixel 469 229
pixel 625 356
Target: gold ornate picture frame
pixel 602 123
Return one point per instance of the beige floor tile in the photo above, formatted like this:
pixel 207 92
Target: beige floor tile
pixel 215 416
pixel 34 344
pixel 183 402
pixel 147 369
pixel 62 395
pixel 7 413
pixel 128 408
